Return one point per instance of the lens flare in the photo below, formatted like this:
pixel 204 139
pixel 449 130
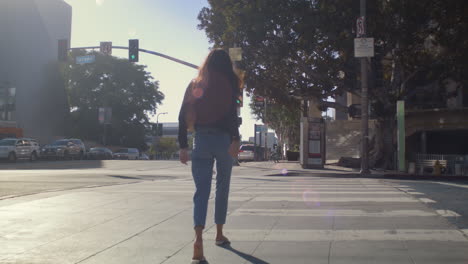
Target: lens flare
pixel 311 198
pixel 197 92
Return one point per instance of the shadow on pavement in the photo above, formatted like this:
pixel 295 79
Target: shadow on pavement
pixel 245 256
pixel 51 165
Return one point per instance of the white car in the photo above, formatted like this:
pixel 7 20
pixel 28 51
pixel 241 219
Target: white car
pixel 246 153
pixel 19 148
pixel 127 154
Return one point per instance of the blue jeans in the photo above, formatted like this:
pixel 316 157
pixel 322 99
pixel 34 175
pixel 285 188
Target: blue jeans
pixel 210 145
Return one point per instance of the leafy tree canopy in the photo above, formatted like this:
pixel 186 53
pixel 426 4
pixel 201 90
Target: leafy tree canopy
pixel 307 45
pixel 125 87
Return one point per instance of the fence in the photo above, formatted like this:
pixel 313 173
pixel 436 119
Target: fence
pixel 165 156
pixel 454 164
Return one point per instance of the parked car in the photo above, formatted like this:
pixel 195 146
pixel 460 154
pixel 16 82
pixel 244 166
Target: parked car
pixel 99 153
pixel 19 148
pixel 246 153
pixel 143 156
pixel 64 149
pixel 127 153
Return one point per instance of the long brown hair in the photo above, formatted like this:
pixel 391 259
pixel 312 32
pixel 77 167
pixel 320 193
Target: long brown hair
pixel 217 61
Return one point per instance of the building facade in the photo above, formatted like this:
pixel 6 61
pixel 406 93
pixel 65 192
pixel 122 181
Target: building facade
pixel 30 30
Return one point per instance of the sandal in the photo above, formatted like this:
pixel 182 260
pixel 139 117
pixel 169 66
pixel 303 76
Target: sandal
pixel 222 243
pixel 198 261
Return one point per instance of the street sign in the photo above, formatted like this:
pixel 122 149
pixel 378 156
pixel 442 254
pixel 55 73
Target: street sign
pixel 106 48
pixel 235 54
pixel 105 115
pixel 363 47
pixel 260 128
pixel 259 101
pixel 85 59
pixel 360 26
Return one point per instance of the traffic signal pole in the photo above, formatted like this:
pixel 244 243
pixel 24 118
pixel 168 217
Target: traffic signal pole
pixel 146 51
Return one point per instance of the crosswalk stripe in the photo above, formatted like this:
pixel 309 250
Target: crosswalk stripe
pixel 327 199
pixel 447 213
pixel 307 235
pixel 426 200
pixel 235 192
pixel 333 212
pixel 254 189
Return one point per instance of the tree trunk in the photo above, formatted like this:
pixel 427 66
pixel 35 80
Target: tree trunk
pixel 385 138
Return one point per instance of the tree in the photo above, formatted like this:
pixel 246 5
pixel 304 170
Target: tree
pixel 282 118
pixel 307 46
pixel 116 83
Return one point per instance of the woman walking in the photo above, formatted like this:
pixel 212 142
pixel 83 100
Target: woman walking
pixel 209 109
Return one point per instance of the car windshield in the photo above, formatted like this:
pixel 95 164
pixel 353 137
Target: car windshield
pixel 250 148
pixel 7 142
pixel 122 151
pixel 60 143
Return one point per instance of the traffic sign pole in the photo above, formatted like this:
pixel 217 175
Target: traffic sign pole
pixel 364 100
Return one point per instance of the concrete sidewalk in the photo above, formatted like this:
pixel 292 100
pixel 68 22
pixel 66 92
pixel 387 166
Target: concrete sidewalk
pixel 271 220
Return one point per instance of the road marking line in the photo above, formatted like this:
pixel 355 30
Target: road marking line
pixel 327 213
pixel 465 231
pixel 308 235
pixel 452 184
pixel 426 200
pixel 447 213
pixel 317 199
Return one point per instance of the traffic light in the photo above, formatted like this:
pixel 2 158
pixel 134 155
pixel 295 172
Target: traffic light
pixel 239 100
pixel 106 48
pixel 63 50
pixel 377 67
pixel 133 47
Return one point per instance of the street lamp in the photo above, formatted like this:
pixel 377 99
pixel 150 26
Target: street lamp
pixel 157 123
pixel 157 117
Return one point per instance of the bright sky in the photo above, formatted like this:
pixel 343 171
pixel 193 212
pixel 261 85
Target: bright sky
pixel 168 27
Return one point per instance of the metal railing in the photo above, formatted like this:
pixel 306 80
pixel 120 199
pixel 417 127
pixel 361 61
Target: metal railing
pixel 455 164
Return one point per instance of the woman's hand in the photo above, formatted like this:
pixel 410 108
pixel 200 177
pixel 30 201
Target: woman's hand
pixel 234 149
pixel 183 156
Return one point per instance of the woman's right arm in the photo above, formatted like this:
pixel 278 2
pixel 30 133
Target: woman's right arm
pixel 182 134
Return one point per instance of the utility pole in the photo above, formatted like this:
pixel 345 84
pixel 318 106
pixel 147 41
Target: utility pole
pixel 364 102
pixel 266 129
